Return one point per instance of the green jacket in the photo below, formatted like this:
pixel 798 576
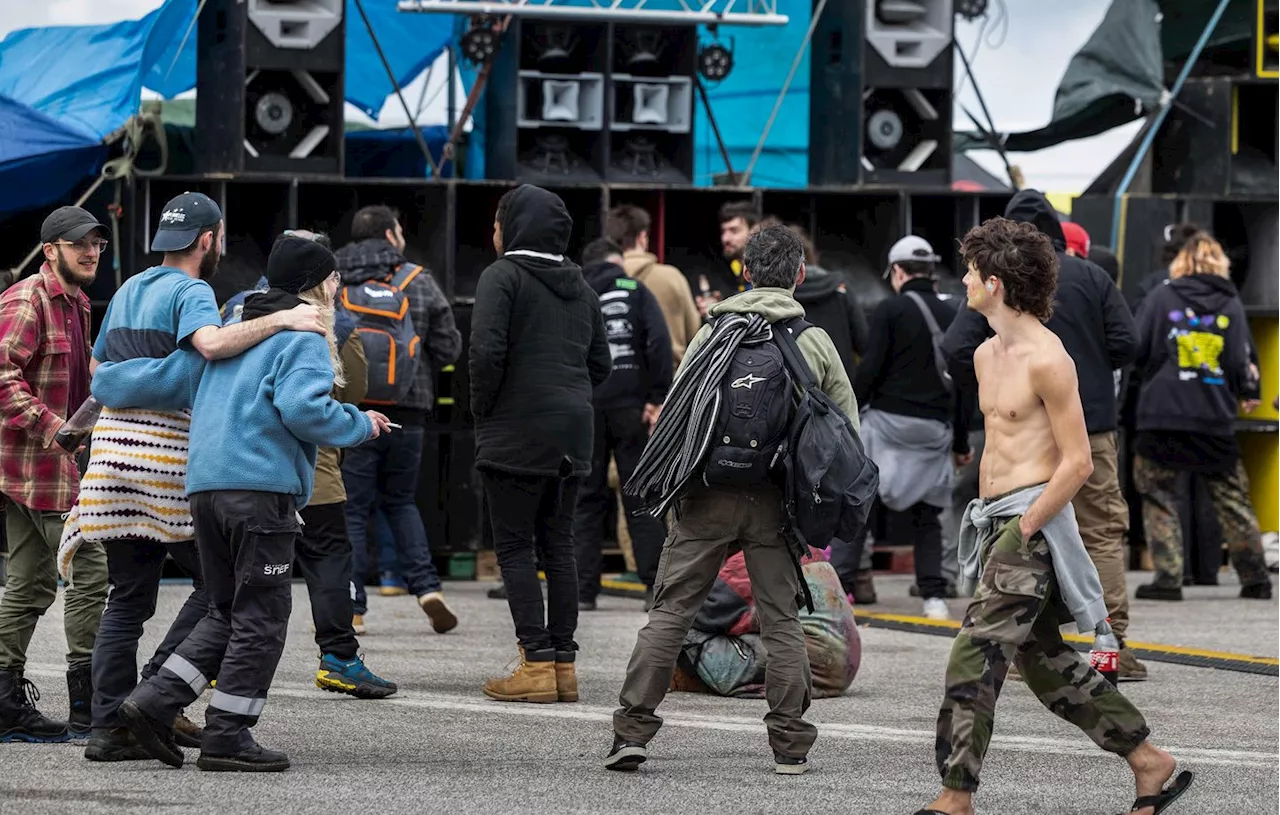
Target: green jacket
pixel 778 304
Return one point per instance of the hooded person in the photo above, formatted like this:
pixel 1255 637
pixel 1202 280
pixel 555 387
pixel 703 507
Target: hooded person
pixel 830 305
pixel 256 425
pixel 538 350
pixel 1095 325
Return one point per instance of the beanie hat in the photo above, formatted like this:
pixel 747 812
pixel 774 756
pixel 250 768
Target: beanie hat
pixel 298 264
pixel 1076 238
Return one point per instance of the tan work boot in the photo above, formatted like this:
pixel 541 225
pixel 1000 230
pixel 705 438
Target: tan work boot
pixel 533 681
pixel 566 676
pixel 1130 670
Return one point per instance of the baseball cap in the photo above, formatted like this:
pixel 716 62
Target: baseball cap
pixel 1076 238
pixel 182 219
pixel 68 223
pixel 912 247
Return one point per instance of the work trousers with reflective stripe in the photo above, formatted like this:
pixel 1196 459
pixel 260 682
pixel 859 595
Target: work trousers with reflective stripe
pixel 246 554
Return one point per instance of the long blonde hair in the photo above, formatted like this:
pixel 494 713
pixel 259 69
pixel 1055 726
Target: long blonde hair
pixel 1201 254
pixel 315 296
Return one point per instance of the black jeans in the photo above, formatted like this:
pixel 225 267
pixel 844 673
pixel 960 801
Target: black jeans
pixel 134 569
pixel 384 471
pixel 622 434
pixel 919 526
pixel 324 557
pixel 535 514
pixel 246 542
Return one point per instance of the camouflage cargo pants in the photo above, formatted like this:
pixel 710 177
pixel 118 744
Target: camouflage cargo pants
pixel 1161 496
pixel 1013 618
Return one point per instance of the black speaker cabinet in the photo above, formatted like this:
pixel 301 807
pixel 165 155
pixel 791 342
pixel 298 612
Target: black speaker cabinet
pixel 269 85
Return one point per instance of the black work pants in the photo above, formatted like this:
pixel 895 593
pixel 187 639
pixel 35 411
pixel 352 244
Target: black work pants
pixel 534 514
pixel 134 569
pixel 919 526
pixel 324 558
pixel 622 434
pixel 246 542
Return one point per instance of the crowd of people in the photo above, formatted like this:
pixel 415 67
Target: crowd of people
pixel 284 430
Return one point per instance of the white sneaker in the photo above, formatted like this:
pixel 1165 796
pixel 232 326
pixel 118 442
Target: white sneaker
pixel 935 608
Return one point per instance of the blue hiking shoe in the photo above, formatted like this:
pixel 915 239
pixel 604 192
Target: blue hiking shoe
pixel 352 678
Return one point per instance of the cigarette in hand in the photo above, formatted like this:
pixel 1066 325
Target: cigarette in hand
pixel 396 426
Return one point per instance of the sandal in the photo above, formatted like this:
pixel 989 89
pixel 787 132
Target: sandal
pixel 1166 796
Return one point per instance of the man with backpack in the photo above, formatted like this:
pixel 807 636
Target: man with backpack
pixel 733 396
pixel 915 424
pixel 407 329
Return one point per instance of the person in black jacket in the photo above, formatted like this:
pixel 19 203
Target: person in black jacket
pixel 626 408
pixel 1093 321
pixel 914 428
pixel 538 350
pixel 830 305
pixel 1195 365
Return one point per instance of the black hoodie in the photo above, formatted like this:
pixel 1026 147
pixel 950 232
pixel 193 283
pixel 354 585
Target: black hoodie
pixel 830 305
pixel 1194 352
pixel 538 347
pixel 638 340
pixel 1090 316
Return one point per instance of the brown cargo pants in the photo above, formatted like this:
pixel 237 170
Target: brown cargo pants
pixel 1103 517
pixel 712 523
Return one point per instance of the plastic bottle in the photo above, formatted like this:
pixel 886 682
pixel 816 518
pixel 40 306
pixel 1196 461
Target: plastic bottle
pixel 1105 654
pixel 72 434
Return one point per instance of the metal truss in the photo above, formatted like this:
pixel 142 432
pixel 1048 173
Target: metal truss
pixel 688 12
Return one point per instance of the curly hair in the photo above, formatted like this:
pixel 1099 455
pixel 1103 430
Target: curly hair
pixel 1201 254
pixel 1021 256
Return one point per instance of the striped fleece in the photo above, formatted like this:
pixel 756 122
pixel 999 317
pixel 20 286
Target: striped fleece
pixel 682 438
pixel 135 485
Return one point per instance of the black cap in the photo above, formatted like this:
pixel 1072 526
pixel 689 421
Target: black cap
pixel 68 223
pixel 182 219
pixel 297 264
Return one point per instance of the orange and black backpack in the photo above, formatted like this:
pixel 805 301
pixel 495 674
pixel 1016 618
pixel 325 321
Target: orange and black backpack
pixel 385 325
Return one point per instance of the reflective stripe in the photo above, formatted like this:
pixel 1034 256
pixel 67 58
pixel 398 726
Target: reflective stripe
pixel 241 705
pixel 187 672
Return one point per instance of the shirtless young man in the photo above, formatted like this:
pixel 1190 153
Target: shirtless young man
pixel 1020 536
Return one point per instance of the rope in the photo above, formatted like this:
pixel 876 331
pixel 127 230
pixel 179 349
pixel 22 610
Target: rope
pixel 683 436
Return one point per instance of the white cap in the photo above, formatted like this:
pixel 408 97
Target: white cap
pixel 912 247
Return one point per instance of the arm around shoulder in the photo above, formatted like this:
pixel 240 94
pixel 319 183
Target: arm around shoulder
pixel 303 395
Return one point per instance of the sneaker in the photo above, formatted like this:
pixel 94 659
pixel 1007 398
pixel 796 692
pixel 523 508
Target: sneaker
pixel 357 623
pixel 392 585
pixel 350 676
pixel 443 620
pixel 626 756
pixel 935 608
pixel 1130 668
pixel 788 765
pixel 252 759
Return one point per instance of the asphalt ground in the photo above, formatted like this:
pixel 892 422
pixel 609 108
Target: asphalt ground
pixel 441 746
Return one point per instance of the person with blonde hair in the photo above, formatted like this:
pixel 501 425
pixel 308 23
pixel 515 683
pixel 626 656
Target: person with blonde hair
pixel 1195 364
pixel 256 424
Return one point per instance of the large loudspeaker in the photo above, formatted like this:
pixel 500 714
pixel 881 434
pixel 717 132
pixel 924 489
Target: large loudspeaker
pixel 269 86
pixel 882 69
pixel 584 103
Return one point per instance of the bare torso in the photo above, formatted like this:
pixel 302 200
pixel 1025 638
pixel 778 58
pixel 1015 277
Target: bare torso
pixel 1020 449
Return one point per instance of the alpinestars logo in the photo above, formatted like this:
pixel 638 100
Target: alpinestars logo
pixel 746 381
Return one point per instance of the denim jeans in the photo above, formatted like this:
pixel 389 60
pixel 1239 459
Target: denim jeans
pixel 388 562
pixel 384 471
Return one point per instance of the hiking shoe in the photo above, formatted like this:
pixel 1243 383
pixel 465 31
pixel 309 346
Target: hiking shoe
pixel 443 620
pixel 1154 591
pixel 357 623
pixel 1130 668
pixel 789 765
pixel 187 733
pixel 80 692
pixel 392 585
pixel 350 676
pixel 19 719
pixel 154 736
pixel 1256 591
pixel 935 608
pixel 252 759
pixel 626 756
pixel 116 744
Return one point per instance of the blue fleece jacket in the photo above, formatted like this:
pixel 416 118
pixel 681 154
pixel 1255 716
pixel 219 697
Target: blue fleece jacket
pixel 259 417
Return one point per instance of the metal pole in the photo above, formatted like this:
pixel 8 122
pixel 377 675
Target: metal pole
pixel 1149 138
pixel 715 130
pixel 777 103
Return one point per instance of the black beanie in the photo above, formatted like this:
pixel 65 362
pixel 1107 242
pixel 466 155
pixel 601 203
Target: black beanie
pixel 298 264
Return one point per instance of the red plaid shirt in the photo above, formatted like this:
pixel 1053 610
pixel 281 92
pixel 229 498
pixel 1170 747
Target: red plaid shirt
pixel 35 360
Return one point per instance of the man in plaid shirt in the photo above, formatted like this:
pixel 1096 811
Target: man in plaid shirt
pixel 44 378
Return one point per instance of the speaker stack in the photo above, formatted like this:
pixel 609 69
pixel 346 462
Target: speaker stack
pixel 269 86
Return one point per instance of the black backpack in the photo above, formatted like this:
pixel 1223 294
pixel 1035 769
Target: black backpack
pixel 829 482
pixel 755 413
